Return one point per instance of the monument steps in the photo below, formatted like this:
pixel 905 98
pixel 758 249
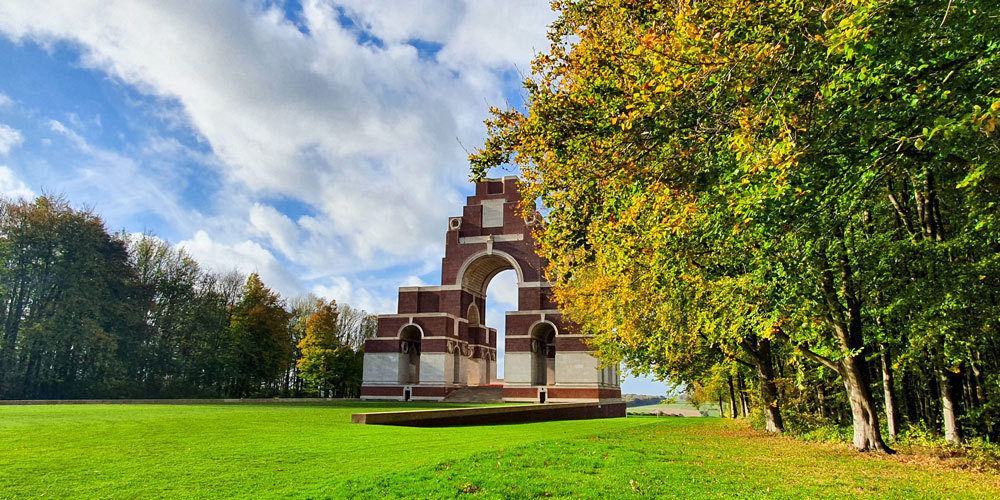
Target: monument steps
pixel 476 394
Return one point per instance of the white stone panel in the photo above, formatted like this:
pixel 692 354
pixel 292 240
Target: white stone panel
pixel 381 368
pixel 577 368
pixel 433 369
pixel 493 213
pixel 478 372
pixel 517 368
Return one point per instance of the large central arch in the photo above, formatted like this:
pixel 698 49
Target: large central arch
pixel 546 358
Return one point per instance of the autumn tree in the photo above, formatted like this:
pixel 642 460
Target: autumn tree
pixel 328 362
pixel 723 175
pixel 320 347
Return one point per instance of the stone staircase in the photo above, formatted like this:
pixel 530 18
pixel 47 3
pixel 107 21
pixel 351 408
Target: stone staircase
pixel 476 394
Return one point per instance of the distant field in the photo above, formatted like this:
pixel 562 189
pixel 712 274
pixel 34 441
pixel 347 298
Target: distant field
pixel 311 451
pixel 711 409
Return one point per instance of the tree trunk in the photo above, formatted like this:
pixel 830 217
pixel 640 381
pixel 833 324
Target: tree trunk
pixel 847 329
pixel 821 398
pixel 948 386
pixel 890 399
pixel 977 378
pixel 761 356
pixel 910 399
pixel 732 399
pixel 867 435
pixel 743 398
pixel 722 407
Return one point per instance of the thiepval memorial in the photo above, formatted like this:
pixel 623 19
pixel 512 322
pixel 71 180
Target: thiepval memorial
pixel 436 343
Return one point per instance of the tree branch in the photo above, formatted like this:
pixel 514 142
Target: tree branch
pixel 801 347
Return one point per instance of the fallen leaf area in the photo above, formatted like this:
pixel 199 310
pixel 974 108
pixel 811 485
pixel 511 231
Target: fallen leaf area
pixel 311 451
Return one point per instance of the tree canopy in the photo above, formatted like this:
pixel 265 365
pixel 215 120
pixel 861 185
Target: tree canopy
pixel 725 175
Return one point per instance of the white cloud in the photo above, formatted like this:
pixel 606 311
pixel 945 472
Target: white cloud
pixel 494 33
pixel 9 138
pixel 363 134
pixel 11 186
pixel 5 100
pixel 245 256
pixel 413 281
pixel 498 34
pixel 121 184
pixel 283 233
pixel 343 291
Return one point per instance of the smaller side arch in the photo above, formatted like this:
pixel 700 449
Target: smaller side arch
pixel 531 329
pixel 410 336
pixel 543 352
pixel 411 327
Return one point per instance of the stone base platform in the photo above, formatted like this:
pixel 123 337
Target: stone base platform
pixel 493 415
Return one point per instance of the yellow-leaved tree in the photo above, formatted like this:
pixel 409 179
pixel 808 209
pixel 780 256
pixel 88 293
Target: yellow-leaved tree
pixel 327 359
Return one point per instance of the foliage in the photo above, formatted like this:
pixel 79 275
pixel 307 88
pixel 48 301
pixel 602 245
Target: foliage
pixel 259 338
pixel 814 173
pixel 68 302
pixel 328 362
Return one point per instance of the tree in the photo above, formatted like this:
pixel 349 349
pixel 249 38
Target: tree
pixel 258 340
pixel 329 362
pixel 711 171
pixel 70 315
pixel 322 349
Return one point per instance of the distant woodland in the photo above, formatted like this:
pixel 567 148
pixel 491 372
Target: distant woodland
pixel 89 314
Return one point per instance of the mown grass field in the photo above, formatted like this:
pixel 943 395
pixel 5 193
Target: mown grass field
pixel 312 451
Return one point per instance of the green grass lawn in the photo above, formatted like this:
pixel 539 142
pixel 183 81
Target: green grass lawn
pixel 312 451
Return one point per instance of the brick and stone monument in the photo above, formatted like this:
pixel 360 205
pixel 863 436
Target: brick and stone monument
pixel 436 343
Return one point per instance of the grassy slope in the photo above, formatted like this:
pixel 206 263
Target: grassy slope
pixel 311 451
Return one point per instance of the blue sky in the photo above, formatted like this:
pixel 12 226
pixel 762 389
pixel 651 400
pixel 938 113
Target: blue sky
pixel 321 144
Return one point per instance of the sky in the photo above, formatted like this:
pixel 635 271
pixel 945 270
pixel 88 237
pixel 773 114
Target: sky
pixel 322 144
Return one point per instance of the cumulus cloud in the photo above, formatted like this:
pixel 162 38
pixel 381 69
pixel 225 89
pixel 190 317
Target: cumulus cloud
pixel 491 33
pixel 341 289
pixel 5 101
pixel 281 230
pixel 246 257
pixel 11 186
pixel 9 138
pixel 355 120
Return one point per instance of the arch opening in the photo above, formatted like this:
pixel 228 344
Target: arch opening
pixel 543 353
pixel 501 296
pixel 479 270
pixel 409 362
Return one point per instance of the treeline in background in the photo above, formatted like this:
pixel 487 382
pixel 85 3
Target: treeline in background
pixel 88 314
